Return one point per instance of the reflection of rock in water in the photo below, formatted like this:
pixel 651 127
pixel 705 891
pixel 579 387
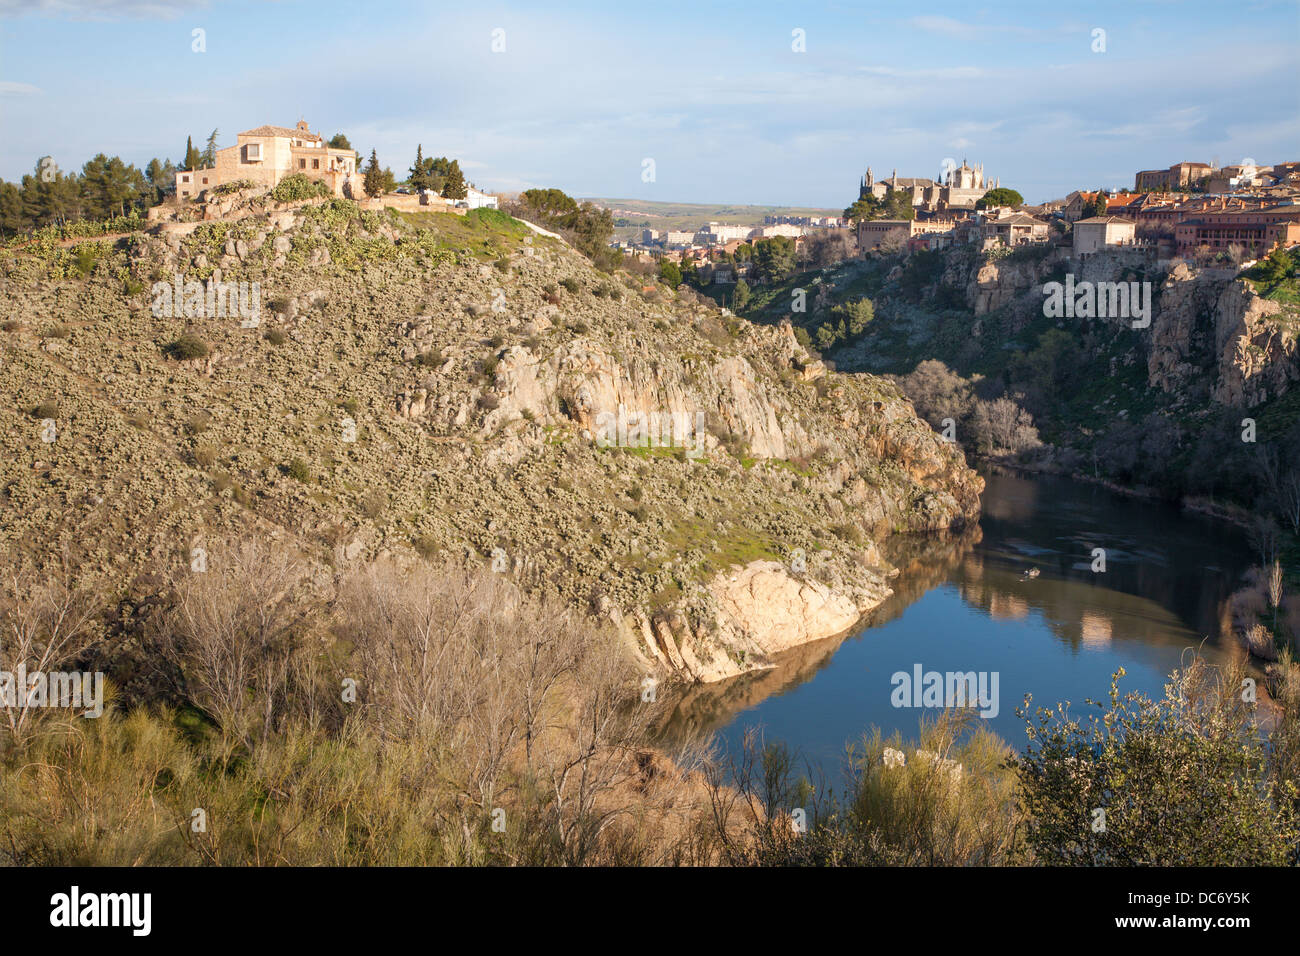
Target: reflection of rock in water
pixel 1096 629
pixel 923 562
pixel 699 709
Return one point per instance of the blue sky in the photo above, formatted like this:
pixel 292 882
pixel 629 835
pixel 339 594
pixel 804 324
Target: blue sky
pixel 583 93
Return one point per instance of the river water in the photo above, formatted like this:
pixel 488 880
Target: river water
pixel 965 604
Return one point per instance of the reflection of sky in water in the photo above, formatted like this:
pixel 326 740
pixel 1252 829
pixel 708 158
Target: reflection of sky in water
pixel 1058 636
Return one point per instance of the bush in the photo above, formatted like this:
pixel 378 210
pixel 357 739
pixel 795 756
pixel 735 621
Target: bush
pixel 570 285
pixel 298 470
pixel 205 456
pixel 56 331
pixel 374 503
pixel 188 347
pixel 1182 781
pixel 276 336
pixel 46 410
pixel 299 186
pixel 225 189
pixel 426 546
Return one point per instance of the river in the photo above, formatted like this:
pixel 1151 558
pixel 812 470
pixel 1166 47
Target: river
pixel 965 604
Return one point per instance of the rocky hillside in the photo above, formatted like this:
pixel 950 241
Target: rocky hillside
pixel 441 387
pixel 1212 334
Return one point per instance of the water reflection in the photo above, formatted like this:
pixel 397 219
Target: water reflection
pixel 967 602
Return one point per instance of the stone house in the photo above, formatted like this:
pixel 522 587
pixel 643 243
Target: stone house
pixel 268 154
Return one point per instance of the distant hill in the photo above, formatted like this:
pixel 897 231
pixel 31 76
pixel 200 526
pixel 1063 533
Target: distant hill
pixel 633 215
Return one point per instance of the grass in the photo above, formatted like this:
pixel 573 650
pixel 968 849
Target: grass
pixel 489 234
pixel 736 547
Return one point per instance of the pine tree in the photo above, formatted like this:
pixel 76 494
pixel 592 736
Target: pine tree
pixel 373 183
pixel 454 187
pixel 740 296
pixel 419 179
pixel 209 154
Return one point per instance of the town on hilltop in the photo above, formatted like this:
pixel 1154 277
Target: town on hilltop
pixel 1192 210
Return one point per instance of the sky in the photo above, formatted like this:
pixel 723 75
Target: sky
pixel 766 103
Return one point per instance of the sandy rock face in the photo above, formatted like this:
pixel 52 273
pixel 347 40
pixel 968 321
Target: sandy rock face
pixel 776 610
pixel 760 610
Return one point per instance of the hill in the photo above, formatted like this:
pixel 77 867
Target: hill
pixel 435 387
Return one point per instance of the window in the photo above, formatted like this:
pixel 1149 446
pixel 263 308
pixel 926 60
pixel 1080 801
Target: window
pixel 302 164
pixel 253 152
pixel 185 179
pixel 205 180
pixel 315 164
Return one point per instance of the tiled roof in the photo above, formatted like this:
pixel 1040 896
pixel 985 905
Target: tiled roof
pixel 1108 219
pixel 279 131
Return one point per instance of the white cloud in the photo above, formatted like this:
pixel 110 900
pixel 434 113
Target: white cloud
pixel 12 88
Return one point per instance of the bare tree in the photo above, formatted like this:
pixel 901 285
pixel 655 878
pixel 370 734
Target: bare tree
pixel 236 634
pixel 46 624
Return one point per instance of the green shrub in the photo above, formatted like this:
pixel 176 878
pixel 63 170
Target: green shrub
pixel 570 285
pixel 46 410
pixel 1184 780
pixel 226 189
pixel 298 470
pixel 189 346
pixel 299 186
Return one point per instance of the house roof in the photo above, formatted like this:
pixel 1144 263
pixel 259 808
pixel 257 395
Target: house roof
pixel 284 131
pixel 1119 220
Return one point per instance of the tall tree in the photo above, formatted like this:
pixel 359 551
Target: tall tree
pixel 372 182
pixel 419 178
pixel 192 156
pixel 454 187
pixel 209 154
